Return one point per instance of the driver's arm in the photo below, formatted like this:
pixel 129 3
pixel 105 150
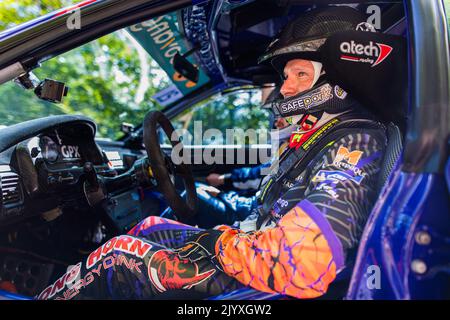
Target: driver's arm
pixel 301 255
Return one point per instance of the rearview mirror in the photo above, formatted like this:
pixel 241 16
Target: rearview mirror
pixel 51 90
pixel 184 67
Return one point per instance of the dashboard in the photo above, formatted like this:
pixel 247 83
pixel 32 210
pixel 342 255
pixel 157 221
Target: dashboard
pixel 62 193
pixel 60 154
pixel 55 148
pixel 38 171
pixel 63 167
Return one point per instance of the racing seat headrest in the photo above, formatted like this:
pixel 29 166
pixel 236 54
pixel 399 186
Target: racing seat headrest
pixel 372 67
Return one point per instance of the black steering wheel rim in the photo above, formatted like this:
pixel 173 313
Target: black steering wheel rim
pixel 183 209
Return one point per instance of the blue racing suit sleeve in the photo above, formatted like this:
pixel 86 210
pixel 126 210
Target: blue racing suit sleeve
pixel 244 174
pixel 247 178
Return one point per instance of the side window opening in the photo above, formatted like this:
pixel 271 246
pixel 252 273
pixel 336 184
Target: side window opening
pixel 207 122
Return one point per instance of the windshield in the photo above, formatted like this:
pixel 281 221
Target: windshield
pixel 115 79
pixel 111 80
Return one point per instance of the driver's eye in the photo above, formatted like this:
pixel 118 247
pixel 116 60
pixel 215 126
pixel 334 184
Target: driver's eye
pixel 302 74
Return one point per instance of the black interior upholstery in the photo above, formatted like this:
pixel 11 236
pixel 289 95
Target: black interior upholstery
pixel 392 153
pixel 380 87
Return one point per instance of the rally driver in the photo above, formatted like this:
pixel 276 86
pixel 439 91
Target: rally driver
pixel 311 210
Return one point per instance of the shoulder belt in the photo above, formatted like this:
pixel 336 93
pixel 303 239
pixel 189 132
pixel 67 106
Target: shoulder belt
pixel 294 161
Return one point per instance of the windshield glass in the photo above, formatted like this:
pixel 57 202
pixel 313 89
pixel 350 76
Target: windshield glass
pixel 115 79
pixel 111 80
pixel 207 122
pixel 15 12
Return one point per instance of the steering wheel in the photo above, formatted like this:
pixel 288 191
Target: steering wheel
pixel 163 167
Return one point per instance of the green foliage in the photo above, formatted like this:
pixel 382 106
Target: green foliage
pixel 447 9
pixel 237 110
pixel 103 77
pixel 14 12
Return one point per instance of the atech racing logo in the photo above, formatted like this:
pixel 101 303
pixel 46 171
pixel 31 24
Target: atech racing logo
pixel 373 53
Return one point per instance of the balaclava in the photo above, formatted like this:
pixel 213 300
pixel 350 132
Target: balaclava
pixel 301 39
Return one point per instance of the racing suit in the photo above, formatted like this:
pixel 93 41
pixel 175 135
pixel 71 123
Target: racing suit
pixel 302 239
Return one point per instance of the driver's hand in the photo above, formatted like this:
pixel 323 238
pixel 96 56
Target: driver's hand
pixel 201 246
pixel 215 179
pixel 209 189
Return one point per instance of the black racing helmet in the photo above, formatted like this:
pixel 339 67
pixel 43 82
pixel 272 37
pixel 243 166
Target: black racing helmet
pixel 302 38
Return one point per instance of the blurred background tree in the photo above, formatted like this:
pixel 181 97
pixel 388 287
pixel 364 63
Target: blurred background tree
pixel 447 8
pixel 234 110
pixel 104 76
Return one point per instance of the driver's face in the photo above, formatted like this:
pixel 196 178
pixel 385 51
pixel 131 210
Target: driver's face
pixel 281 123
pixel 298 77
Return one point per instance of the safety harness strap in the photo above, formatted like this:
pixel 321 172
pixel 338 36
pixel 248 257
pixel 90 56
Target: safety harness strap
pixel 294 160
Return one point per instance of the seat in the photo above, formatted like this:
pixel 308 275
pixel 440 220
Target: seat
pixel 392 153
pixel 338 289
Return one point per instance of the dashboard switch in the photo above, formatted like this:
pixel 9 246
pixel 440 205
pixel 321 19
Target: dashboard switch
pixel 35 152
pixel 91 175
pixel 51 180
